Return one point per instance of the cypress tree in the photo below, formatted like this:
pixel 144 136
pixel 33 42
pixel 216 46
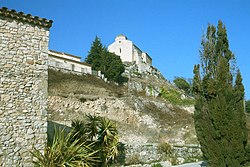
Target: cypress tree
pixel 219 110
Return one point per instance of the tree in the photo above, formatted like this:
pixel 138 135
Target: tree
pixel 113 67
pixel 181 83
pixel 95 54
pixel 247 106
pixel 219 110
pixel 108 63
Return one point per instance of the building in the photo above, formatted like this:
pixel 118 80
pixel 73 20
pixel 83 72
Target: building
pixel 129 52
pixel 68 62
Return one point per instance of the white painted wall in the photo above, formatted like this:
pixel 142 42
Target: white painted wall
pixel 137 55
pixel 146 58
pixel 72 65
pixel 129 52
pixel 123 48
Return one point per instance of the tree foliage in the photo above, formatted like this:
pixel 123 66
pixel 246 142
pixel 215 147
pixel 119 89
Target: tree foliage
pixel 181 83
pixel 247 105
pixel 219 110
pixel 108 63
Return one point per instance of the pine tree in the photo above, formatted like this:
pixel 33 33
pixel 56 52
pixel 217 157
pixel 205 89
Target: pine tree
pixel 219 111
pixel 95 54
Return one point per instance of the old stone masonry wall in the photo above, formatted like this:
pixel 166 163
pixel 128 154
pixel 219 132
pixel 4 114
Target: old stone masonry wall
pixel 23 86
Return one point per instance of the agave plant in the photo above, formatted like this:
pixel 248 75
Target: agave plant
pixel 64 152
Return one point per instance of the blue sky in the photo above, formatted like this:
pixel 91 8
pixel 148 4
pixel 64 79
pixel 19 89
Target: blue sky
pixel 169 31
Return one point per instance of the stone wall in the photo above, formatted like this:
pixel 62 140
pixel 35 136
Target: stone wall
pixel 23 86
pixel 149 153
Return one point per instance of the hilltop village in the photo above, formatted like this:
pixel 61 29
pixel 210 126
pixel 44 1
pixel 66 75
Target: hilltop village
pixel 124 48
pixel 40 91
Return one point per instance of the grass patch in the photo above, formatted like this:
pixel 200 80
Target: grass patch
pixel 173 96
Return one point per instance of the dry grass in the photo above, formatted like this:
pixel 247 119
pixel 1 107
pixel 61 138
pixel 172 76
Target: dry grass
pixel 65 83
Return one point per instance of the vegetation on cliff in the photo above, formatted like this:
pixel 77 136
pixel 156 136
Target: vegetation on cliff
pixel 182 83
pixel 219 116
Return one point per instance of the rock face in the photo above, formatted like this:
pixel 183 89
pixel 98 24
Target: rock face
pixel 140 120
pixel 23 86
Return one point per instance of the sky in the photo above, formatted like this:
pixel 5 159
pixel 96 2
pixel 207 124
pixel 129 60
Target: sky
pixel 169 31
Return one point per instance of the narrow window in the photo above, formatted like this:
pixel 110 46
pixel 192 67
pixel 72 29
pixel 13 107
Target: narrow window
pixel 72 67
pixel 120 50
pixel 57 64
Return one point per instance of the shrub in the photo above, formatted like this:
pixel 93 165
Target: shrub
pixel 174 96
pixel 156 165
pixel 64 152
pixel 181 83
pixel 165 148
pixel 134 159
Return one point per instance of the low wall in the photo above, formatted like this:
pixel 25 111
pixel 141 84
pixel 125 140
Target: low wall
pixel 149 153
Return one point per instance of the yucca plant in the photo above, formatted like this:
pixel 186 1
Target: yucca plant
pixel 65 153
pixel 92 126
pixel 102 132
pixel 79 130
pixel 108 139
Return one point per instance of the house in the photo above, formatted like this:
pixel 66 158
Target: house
pixel 68 62
pixel 129 52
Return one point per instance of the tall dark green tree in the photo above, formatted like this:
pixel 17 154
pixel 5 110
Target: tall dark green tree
pixel 247 106
pixel 219 110
pixel 96 54
pixel 108 63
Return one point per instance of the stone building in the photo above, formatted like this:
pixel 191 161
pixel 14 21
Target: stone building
pixel 129 52
pixel 23 86
pixel 68 62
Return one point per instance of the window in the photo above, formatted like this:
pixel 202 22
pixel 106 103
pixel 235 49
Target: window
pixel 72 67
pixel 57 64
pixel 120 50
pixel 83 70
pixel 119 41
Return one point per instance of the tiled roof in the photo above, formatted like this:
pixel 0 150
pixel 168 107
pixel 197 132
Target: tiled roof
pixel 5 12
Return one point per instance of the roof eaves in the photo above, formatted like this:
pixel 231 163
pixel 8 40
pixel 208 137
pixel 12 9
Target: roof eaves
pixel 5 12
pixel 65 54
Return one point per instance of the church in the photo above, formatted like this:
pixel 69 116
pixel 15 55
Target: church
pixel 129 52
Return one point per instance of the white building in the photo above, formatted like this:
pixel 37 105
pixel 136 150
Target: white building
pixel 129 52
pixel 60 60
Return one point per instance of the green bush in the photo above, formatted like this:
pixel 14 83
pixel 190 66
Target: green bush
pixel 174 96
pixel 156 165
pixel 181 83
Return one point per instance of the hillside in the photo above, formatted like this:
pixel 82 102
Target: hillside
pixel 140 118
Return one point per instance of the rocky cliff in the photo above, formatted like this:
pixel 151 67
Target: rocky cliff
pixel 142 115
